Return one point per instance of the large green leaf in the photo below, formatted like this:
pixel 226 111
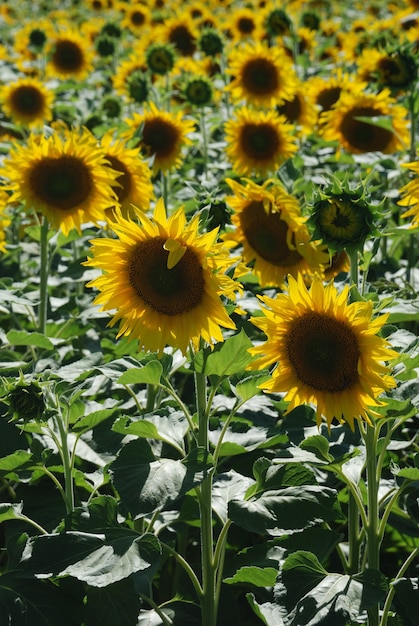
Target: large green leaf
pixel 285 510
pixel 99 559
pixel 231 357
pixel 25 338
pixel 150 373
pixel 146 484
pixel 313 596
pixel 117 604
pixel 165 425
pixel 407 600
pixel 268 612
pixel 228 486
pixel 253 575
pixel 26 601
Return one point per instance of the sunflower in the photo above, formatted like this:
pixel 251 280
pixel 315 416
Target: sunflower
pixel 69 56
pixel 64 177
pixel 161 135
pixel 342 123
pixel 397 70
pixel 164 279
pixel 137 19
pixel 4 219
pixel 134 179
pixel 268 224
pixel 325 92
pixel 262 76
pixel 410 195
pixel 27 101
pixel 128 72
pixel 181 33
pixel 258 141
pixel 299 111
pixel 325 351
pixel 243 24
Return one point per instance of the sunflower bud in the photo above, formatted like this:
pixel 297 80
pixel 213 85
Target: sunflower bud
pixel 341 217
pixel 26 402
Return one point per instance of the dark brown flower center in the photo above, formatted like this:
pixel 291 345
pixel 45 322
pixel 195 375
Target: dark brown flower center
pixel 62 183
pixel 328 97
pixel 259 141
pixel 27 100
pixel 183 40
pixel 323 352
pixel 363 136
pixel 260 77
pixel 291 109
pixel 245 25
pixel 168 291
pixel 68 56
pixel 159 137
pixel 267 234
pixel 137 18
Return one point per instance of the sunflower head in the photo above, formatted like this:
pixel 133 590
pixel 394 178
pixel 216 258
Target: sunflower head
pixel 210 42
pixel 160 58
pixel 112 107
pixel 64 176
pixel 278 23
pixel 311 20
pixel 37 39
pixel 198 91
pixel 138 87
pixel 105 46
pixel 166 280
pixel 341 217
pixel 324 351
pixel 397 70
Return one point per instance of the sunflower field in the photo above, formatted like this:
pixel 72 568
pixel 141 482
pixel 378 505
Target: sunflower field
pixel 209 313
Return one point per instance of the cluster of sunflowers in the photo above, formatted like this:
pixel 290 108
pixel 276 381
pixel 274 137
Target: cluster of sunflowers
pixel 121 114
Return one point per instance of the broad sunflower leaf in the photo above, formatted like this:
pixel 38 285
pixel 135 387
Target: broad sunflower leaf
pixel 253 575
pixel 14 461
pixel 25 338
pixel 146 484
pixel 231 357
pixel 117 604
pixel 25 600
pixel 268 612
pixel 97 559
pixel 149 374
pixel 407 600
pixel 311 595
pixel 87 422
pixel 285 510
pixel 166 425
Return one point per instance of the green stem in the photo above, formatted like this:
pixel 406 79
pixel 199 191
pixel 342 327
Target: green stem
pixel 372 530
pixel 67 463
pixel 354 269
pixel 208 599
pixel 188 569
pixel 204 143
pixel 353 534
pixel 43 286
pixel 386 609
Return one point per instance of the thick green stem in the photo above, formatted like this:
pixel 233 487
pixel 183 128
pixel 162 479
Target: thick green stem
pixel 372 530
pixel 208 599
pixel 67 463
pixel 44 270
pixel 353 535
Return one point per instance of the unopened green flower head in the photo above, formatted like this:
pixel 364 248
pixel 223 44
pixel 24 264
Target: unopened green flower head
pixel 210 42
pixel 105 46
pixel 37 38
pixel 112 106
pixel 26 402
pixel 341 217
pixel 397 70
pixel 310 20
pixel 198 91
pixel 138 87
pixel 278 23
pixel 160 58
